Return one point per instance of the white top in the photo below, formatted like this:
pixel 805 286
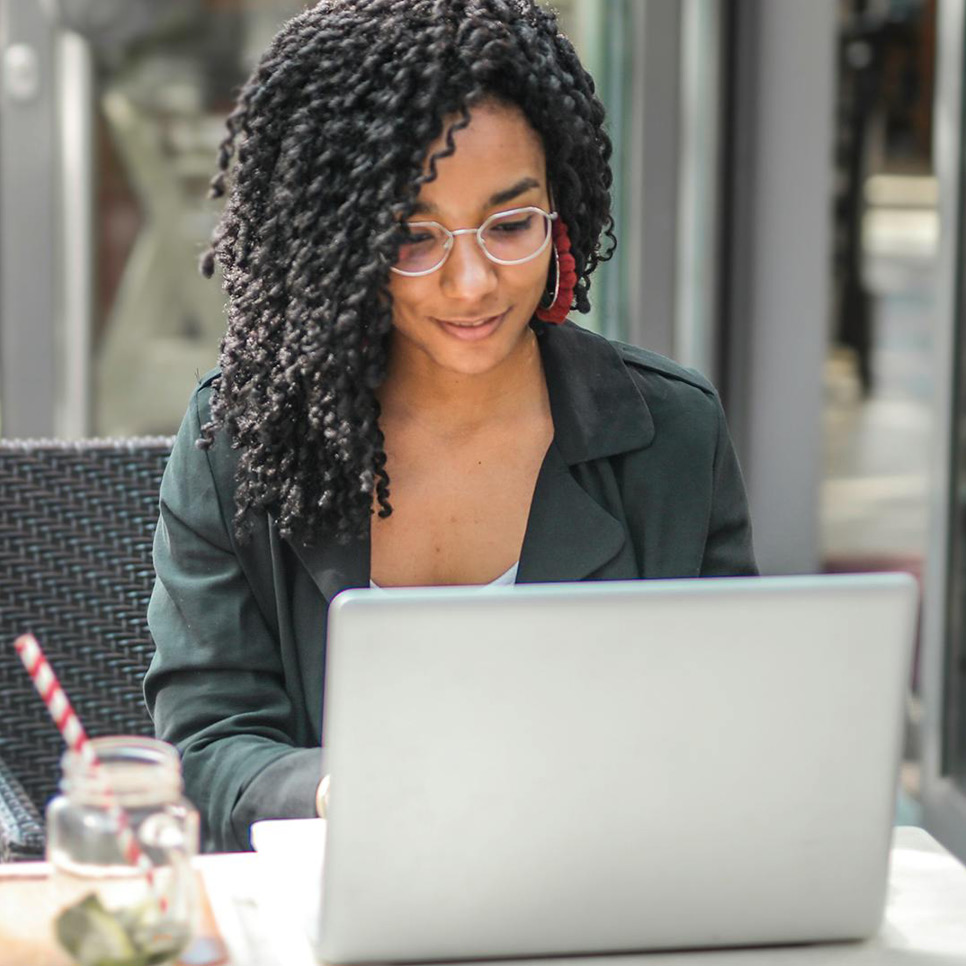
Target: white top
pixel 507 578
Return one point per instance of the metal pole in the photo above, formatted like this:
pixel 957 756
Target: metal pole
pixel 29 237
pixel 77 153
pixel 944 804
pixel 778 265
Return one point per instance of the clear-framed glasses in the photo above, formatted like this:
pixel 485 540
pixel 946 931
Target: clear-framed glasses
pixel 507 238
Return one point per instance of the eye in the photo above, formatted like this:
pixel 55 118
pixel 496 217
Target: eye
pixel 418 236
pixel 511 226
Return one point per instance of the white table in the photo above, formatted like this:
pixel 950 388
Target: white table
pixel 262 907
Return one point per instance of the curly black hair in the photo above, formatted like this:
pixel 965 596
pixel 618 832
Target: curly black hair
pixel 331 133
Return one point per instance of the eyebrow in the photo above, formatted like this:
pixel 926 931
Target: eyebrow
pixel 500 198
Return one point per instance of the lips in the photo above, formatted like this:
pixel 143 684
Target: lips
pixel 470 325
pixel 471 330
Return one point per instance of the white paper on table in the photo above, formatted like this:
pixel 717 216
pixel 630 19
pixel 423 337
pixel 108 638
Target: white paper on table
pixel 292 852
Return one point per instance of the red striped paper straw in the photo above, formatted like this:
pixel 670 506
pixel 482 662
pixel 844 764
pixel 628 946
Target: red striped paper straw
pixel 49 689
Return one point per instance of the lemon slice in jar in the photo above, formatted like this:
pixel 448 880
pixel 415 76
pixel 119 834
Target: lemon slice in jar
pixel 93 935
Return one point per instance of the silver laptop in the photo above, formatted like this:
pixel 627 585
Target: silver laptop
pixel 594 767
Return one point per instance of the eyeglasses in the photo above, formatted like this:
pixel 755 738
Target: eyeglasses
pixel 507 238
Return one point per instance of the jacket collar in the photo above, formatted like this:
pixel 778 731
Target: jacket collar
pixel 597 412
pixel 597 409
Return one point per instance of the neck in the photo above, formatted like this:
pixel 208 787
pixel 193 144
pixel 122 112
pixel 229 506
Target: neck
pixel 448 403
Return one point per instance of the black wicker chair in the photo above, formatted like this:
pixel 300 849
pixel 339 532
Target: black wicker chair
pixel 76 526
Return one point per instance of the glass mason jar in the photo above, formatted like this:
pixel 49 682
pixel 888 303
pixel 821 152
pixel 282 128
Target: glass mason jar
pixel 118 911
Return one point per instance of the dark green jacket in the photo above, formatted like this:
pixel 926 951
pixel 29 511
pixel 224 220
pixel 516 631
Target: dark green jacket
pixel 640 480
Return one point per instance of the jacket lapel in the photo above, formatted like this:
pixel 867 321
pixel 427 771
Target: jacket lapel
pixel 333 566
pixel 568 535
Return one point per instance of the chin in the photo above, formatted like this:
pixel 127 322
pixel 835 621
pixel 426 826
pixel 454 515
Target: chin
pixel 472 360
pixel 477 365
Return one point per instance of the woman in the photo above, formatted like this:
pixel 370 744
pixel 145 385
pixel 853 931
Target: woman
pixel 420 192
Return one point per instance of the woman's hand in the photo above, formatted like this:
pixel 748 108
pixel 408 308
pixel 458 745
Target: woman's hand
pixel 322 797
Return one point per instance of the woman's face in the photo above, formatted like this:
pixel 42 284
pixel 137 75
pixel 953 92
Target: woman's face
pixel 471 314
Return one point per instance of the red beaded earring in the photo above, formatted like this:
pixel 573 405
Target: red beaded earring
pixel 565 277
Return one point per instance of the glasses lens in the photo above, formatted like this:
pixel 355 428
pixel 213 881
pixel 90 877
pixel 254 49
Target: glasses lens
pixel 423 248
pixel 515 236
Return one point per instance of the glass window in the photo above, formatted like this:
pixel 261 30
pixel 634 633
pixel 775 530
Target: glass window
pixel 602 33
pixel 879 375
pixel 166 77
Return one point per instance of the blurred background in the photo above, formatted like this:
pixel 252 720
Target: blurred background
pixel 789 204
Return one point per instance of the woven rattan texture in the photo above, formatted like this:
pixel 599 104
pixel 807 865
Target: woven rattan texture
pixel 76 527
pixel 21 827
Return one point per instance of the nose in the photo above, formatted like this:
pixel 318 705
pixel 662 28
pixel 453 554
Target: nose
pixel 468 275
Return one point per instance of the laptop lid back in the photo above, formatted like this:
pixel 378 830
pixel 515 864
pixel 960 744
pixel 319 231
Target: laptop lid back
pixel 580 768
